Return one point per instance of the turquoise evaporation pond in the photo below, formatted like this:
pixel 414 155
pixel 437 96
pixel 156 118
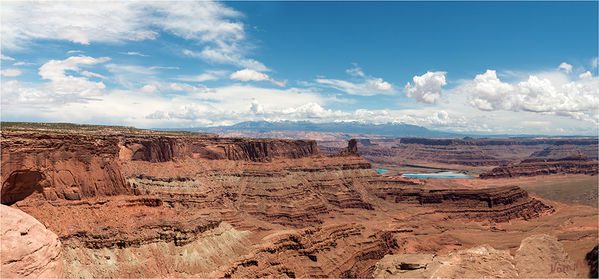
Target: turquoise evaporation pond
pixel 381 171
pixel 438 175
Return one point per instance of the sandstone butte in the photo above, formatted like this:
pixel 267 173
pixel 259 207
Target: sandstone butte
pixel 204 206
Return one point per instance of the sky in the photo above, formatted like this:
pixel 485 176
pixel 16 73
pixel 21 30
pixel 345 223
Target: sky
pixel 471 67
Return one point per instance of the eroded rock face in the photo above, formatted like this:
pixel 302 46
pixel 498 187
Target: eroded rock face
pixel 577 164
pixel 52 166
pixel 539 256
pixel 29 250
pixel 163 149
pixel 341 251
pixel 499 204
pixel 202 253
pixel 351 149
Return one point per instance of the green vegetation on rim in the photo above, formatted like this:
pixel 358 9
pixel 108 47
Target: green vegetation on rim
pixel 84 129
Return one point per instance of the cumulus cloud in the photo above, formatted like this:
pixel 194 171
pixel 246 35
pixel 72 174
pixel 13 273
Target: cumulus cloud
pixel 252 75
pixel 149 88
pixel 427 88
pixel 214 27
pixel 491 93
pixel 548 93
pixel 363 85
pixel 10 72
pixel 62 87
pixel 248 74
pixel 380 84
pixel 585 75
pixel 256 107
pixel 566 67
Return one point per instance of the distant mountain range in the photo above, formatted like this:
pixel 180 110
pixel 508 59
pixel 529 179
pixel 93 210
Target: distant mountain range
pixel 387 130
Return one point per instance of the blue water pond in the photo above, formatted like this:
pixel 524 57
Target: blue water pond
pixel 438 175
pixel 381 171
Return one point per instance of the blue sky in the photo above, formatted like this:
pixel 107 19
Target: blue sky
pixel 500 67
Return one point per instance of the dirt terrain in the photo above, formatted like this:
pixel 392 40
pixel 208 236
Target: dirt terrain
pixel 184 205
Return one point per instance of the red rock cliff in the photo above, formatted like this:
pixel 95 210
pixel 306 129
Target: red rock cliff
pixel 162 149
pixel 55 166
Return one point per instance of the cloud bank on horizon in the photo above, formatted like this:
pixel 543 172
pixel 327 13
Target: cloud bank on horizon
pixel 203 63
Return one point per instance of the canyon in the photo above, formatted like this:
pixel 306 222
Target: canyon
pixel 468 155
pixel 168 204
pixel 576 164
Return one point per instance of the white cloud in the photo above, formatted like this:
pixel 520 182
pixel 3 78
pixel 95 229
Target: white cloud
pixel 4 57
pixel 547 93
pixel 78 22
pixel 585 75
pixel 133 53
pixel 427 88
pixel 149 88
pixel 205 76
pixel 164 68
pixel 211 25
pixel 594 62
pixel 256 107
pixel 61 87
pixel 75 51
pixel 279 83
pixel 363 85
pixel 21 63
pixel 491 93
pixel 380 84
pixel 566 67
pixel 252 75
pixel 247 75
pixel 90 74
pixel 198 106
pixel 10 72
pixel 355 71
pixel 55 69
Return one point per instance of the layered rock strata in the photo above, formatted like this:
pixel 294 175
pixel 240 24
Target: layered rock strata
pixel 209 207
pixel 53 166
pixel 577 164
pixel 499 204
